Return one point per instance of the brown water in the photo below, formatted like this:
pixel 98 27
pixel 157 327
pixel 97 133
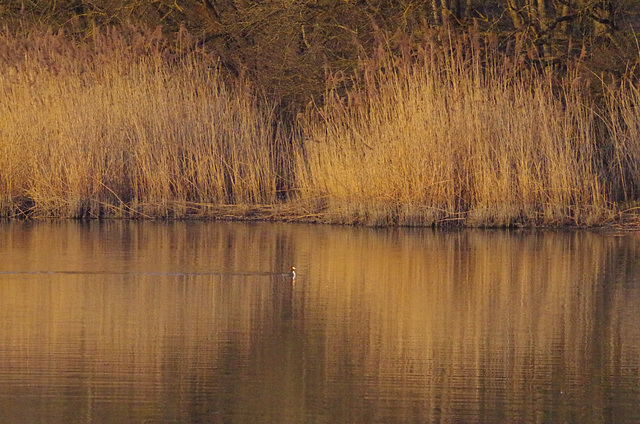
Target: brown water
pixel 191 322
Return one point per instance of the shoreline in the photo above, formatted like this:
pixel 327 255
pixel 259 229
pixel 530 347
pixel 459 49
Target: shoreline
pixel 294 212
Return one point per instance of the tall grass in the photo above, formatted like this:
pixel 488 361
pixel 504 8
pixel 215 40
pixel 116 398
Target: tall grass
pixel 110 132
pixel 623 120
pixel 121 128
pixel 450 140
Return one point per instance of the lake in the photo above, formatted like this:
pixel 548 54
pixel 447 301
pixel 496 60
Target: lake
pixel 200 322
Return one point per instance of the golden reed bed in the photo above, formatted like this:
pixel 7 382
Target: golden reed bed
pixel 114 130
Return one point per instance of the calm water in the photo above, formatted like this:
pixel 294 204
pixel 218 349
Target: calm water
pixel 191 322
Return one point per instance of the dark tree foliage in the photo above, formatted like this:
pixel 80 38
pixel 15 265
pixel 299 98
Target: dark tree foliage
pixel 287 47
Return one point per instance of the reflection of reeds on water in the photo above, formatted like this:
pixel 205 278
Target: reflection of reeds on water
pixel 113 130
pixel 420 326
pixel 455 322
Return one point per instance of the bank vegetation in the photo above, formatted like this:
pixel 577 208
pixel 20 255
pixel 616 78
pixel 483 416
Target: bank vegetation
pixel 505 113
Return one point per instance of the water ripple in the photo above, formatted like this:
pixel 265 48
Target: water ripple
pixel 175 274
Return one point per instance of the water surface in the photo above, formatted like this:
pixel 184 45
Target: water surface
pixel 198 322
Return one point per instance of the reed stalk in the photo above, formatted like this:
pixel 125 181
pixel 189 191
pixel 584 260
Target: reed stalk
pixel 102 133
pixel 122 128
pixel 453 141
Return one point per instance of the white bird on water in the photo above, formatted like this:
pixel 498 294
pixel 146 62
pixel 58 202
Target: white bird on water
pixel 293 272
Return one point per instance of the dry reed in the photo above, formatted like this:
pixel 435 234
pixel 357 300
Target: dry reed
pixel 119 128
pixel 450 140
pixel 105 132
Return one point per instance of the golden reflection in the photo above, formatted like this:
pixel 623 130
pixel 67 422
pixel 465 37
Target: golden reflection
pixel 380 326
